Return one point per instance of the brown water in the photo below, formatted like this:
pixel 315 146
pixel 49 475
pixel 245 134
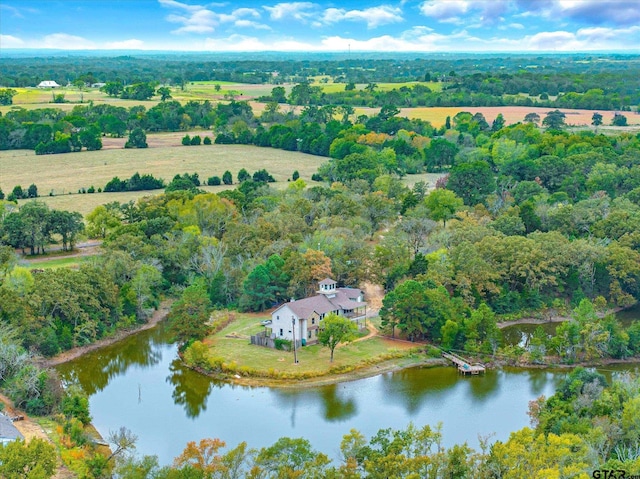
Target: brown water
pixel 138 383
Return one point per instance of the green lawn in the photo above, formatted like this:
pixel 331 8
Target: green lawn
pixel 233 344
pixel 49 263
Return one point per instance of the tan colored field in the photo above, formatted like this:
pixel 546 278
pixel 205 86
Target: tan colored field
pixel 512 114
pixel 65 174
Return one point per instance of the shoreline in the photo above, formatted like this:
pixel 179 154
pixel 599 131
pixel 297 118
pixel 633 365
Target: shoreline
pixel 74 353
pixel 370 370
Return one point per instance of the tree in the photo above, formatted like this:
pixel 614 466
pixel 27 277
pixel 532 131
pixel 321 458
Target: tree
pixel 204 457
pixel 164 92
pixel 596 119
pixel 554 120
pixel 532 118
pixel 472 181
pixel 243 175
pixel 334 330
pixel 227 179
pixel 189 316
pixel 498 123
pixel 67 225
pixel 35 218
pixel 442 205
pixel 619 120
pixel 112 88
pixel 33 460
pixel 440 153
pixel 288 459
pixel 6 96
pixel 137 139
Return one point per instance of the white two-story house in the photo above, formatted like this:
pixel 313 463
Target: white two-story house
pixel 301 318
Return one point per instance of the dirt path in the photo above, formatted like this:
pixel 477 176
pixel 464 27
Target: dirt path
pixel 89 248
pixel 75 353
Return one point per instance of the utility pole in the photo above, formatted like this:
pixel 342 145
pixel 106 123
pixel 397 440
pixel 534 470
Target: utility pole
pixel 293 329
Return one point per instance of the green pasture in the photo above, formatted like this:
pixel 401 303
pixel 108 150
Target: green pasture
pixel 59 177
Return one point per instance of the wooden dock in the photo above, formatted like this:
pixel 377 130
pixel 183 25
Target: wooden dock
pixel 463 365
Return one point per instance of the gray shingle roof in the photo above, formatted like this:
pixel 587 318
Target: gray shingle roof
pixel 341 298
pixel 7 429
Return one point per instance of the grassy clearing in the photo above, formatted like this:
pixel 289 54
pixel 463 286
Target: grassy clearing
pixel 233 344
pixel 63 175
pixel 49 263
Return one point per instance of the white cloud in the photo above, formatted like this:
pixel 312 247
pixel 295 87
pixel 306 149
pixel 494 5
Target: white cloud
pixel 596 12
pixel 373 17
pixel 200 21
pixel 448 11
pixel 296 10
pixel 9 41
pixel 64 41
pixel 251 24
pixel 241 43
pixel 12 10
pixel 131 44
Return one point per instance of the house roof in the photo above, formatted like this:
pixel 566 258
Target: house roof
pixel 7 429
pixel 48 83
pixel 327 281
pixel 322 304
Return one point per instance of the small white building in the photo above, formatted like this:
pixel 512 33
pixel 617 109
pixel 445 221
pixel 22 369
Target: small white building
pixel 48 84
pixel 301 318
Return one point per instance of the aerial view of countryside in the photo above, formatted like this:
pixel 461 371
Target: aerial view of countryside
pixel 372 239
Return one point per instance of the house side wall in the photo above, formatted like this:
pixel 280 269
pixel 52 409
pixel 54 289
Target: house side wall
pixel 281 323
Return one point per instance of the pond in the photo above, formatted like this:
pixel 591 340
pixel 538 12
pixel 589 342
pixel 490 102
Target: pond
pixel 138 383
pixel 520 334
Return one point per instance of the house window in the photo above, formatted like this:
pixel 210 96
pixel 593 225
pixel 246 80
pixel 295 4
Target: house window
pixel 277 317
pixel 280 331
pixel 313 320
pixel 309 335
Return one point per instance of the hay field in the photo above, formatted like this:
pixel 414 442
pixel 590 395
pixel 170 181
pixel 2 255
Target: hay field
pixel 512 114
pixel 65 174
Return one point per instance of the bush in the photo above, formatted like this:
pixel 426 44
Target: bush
pixel 186 140
pixel 262 176
pixel 214 181
pixel 196 140
pixel 137 139
pixel 207 140
pixel 243 175
pixel 227 179
pixel 295 175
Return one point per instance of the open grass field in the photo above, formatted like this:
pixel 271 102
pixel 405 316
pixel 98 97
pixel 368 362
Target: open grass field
pixel 331 87
pixel 233 344
pixel 52 263
pixel 512 114
pixel 63 175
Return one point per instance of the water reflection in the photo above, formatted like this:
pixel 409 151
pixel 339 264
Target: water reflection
pixel 140 384
pixel 190 390
pixel 336 407
pixel 413 387
pixel 95 370
pixel 335 402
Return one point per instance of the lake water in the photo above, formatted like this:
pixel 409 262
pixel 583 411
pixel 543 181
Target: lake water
pixel 139 383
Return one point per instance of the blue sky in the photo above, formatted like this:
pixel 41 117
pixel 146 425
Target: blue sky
pixel 423 26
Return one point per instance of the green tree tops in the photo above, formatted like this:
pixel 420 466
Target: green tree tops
pixel 336 329
pixel 189 316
